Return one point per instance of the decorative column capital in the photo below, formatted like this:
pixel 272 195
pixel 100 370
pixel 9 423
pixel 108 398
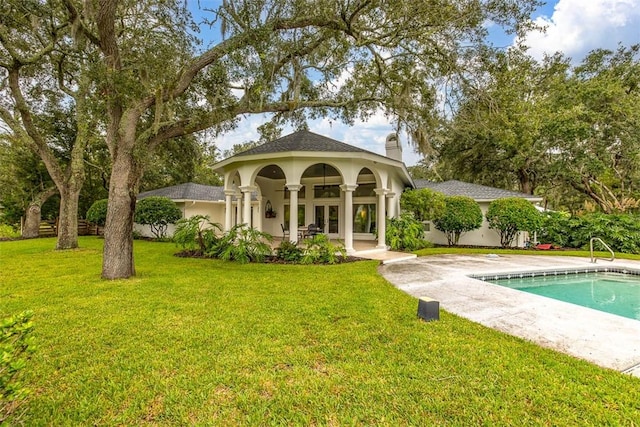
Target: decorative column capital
pixel 390 194
pixel 230 193
pixel 348 187
pixel 381 191
pixel 248 188
pixel 294 187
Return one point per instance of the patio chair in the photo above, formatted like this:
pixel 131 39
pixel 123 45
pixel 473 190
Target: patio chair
pixel 285 231
pixel 312 230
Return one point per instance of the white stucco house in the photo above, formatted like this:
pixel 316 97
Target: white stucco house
pixel 341 188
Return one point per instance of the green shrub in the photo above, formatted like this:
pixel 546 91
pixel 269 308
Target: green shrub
pixel 558 228
pixel 97 213
pixel 289 251
pixel 621 232
pixel 405 233
pixel 16 346
pixel 8 232
pixel 461 214
pixel 137 235
pixel 157 213
pixel 510 215
pixel 425 204
pixel 319 250
pixel 243 244
pixel 197 233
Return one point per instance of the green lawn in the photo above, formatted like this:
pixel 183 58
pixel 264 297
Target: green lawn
pixel 203 342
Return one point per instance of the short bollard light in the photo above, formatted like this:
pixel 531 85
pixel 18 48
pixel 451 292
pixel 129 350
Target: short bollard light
pixel 428 309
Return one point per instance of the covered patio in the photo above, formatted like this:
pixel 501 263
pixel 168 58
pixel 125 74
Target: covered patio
pixel 347 192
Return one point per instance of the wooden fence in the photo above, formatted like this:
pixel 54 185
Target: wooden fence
pixel 50 228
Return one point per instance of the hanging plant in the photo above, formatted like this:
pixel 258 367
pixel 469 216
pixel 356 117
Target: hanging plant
pixel 268 210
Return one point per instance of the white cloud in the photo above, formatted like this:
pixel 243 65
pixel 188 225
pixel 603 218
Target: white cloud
pixel 369 135
pixel 578 26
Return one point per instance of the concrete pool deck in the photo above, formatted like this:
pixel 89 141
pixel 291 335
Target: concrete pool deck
pixel 605 339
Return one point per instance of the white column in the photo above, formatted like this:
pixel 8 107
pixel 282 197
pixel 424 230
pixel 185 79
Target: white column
pixel 257 215
pixel 246 215
pixel 293 211
pixel 381 219
pixel 348 216
pixel 239 211
pixel 391 208
pixel 228 213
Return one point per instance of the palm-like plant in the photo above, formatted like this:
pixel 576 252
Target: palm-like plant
pixel 197 233
pixel 244 244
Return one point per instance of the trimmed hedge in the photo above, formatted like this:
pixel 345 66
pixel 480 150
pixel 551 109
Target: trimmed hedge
pixel 510 215
pixel 461 214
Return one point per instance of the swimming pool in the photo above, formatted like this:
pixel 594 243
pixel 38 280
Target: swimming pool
pixel 613 291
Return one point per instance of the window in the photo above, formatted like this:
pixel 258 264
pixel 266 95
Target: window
pixel 365 190
pixel 326 191
pixel 301 193
pixel 301 215
pixel 364 218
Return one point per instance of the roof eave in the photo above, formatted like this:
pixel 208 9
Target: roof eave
pixel 531 199
pixel 220 167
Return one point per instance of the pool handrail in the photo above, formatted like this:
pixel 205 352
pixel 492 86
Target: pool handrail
pixel 593 257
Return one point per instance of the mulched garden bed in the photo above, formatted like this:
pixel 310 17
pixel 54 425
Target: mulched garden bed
pixel 268 260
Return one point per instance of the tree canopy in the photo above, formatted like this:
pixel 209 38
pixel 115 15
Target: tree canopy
pixel 567 132
pixel 595 132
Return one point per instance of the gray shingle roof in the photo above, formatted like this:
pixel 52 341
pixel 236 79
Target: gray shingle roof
pixel 189 191
pixel 303 141
pixel 475 191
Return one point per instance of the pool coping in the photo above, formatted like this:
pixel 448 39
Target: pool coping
pixel 554 272
pixel 605 339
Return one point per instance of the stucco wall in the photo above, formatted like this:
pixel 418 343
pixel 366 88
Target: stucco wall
pixel 270 191
pixel 215 211
pixel 484 236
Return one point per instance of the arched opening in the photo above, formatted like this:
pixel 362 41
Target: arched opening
pixel 270 181
pixel 365 210
pixel 322 198
pixel 233 181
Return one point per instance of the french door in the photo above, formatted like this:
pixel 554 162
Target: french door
pixel 326 216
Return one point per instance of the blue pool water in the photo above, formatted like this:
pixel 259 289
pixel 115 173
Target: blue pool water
pixel 614 293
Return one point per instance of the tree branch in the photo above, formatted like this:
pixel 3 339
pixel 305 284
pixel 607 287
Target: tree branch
pixel 28 131
pixel 189 126
pixel 76 19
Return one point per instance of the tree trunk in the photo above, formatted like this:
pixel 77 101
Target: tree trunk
pixel 527 185
pixel 32 221
pixel 117 262
pixel 32 216
pixel 70 194
pixel 68 221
